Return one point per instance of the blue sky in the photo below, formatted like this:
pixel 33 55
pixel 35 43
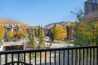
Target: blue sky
pixel 40 12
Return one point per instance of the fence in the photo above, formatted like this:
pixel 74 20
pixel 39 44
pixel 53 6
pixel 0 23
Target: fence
pixel 86 55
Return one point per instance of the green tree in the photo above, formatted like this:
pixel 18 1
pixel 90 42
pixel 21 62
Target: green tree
pixel 79 15
pixel 51 35
pixel 32 40
pixel 41 38
pixel 84 34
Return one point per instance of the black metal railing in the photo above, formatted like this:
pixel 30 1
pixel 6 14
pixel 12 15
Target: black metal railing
pixel 86 55
pixel 90 7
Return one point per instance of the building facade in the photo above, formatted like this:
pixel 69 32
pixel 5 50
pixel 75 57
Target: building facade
pixel 91 10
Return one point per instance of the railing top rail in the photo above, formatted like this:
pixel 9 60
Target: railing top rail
pixel 43 50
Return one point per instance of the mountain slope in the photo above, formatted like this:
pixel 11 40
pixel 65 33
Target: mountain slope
pixel 64 24
pixel 12 22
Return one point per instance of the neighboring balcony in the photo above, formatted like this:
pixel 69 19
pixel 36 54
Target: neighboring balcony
pixel 91 11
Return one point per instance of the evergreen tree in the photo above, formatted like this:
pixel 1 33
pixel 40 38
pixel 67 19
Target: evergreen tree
pixel 79 15
pixel 32 40
pixel 41 38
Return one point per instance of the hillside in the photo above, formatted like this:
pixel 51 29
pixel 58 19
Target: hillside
pixel 12 22
pixel 12 34
pixel 64 24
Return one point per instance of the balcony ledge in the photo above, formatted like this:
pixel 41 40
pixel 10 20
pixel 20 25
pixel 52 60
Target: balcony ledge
pixel 92 16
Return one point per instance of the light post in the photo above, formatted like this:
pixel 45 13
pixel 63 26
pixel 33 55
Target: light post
pixel 51 36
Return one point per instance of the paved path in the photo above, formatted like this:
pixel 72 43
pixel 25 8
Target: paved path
pixel 58 45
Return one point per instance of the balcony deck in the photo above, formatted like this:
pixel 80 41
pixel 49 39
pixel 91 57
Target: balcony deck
pixel 86 55
pixel 91 16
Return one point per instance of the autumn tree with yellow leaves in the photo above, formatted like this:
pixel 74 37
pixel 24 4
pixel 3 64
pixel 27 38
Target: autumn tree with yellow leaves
pixel 1 33
pixel 10 35
pixel 15 34
pixel 86 33
pixel 20 33
pixel 59 32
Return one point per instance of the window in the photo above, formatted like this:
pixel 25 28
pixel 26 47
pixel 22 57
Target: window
pixel 89 8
